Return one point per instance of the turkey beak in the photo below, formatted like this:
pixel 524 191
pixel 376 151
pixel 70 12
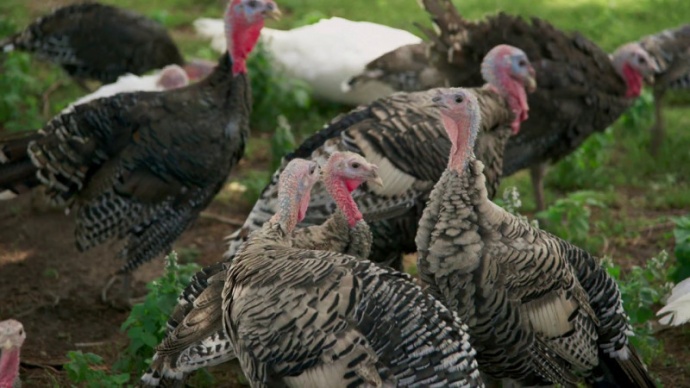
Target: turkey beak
pixel 272 12
pixel 375 179
pixel 7 345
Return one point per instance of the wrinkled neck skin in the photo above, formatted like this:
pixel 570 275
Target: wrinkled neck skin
pixel 292 208
pixel 241 36
pixel 341 191
pixel 512 90
pixel 633 79
pixel 9 367
pixel 462 137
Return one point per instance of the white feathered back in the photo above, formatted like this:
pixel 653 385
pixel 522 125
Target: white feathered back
pixel 677 309
pixel 324 54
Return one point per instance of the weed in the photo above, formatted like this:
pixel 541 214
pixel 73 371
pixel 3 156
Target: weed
pixel 682 250
pixel 642 289
pixel 146 324
pixel 274 93
pixel 282 142
pixel 569 217
pixel 512 203
pixel 88 369
pixel 584 168
pixel 254 183
pixel 19 101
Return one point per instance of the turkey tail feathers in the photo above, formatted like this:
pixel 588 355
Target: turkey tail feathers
pixel 630 372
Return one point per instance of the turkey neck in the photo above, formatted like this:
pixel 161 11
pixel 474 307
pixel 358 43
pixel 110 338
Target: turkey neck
pixel 341 191
pixel 9 367
pixel 633 80
pixel 502 83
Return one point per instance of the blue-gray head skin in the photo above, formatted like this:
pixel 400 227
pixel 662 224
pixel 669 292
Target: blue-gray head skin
pixel 508 70
pixel 294 192
pixel 244 20
pixel 461 118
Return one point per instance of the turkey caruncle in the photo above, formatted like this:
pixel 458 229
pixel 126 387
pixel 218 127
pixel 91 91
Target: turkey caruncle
pixel 403 135
pixel 197 338
pixel 540 311
pixel 141 166
pixel 582 89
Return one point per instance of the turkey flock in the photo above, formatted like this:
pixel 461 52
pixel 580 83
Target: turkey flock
pixel 311 290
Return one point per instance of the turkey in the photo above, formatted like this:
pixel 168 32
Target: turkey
pixel 401 134
pixel 12 337
pixel 677 309
pixel 308 53
pixel 168 78
pixel 670 50
pixel 540 311
pixel 312 318
pixel 406 68
pixel 581 90
pixel 141 166
pixel 192 344
pixel 97 41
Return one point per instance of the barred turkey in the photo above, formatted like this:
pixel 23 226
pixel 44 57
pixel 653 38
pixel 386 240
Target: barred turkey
pixel 141 166
pixel 581 90
pixel 195 333
pixel 308 53
pixel 670 50
pixel 12 337
pixel 97 41
pixel 403 135
pixel 310 318
pixel 539 310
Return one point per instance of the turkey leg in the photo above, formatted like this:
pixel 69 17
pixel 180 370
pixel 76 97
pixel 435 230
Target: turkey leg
pixel 537 174
pixel 657 131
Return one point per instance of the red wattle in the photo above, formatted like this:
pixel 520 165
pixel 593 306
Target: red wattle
pixel 634 81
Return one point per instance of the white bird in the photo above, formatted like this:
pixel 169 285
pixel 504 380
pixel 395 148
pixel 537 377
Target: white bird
pixel 325 54
pixel 170 77
pixel 677 309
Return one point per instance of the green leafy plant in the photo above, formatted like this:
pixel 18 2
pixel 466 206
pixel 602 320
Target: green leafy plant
pixel 282 142
pixel 89 369
pixel 569 217
pixel 274 93
pixel 681 233
pixel 19 100
pixel 585 166
pixel 254 183
pixel 641 289
pixel 641 112
pixel 145 326
pixel 512 203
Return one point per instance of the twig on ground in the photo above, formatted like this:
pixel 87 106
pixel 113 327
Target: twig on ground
pixel 225 220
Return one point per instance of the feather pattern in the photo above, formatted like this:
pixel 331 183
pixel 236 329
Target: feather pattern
pixel 141 166
pixel 96 41
pixel 315 318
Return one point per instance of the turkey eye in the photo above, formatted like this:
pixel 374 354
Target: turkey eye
pixel 355 165
pixel 641 60
pixel 522 63
pixel 459 99
pixel 312 169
